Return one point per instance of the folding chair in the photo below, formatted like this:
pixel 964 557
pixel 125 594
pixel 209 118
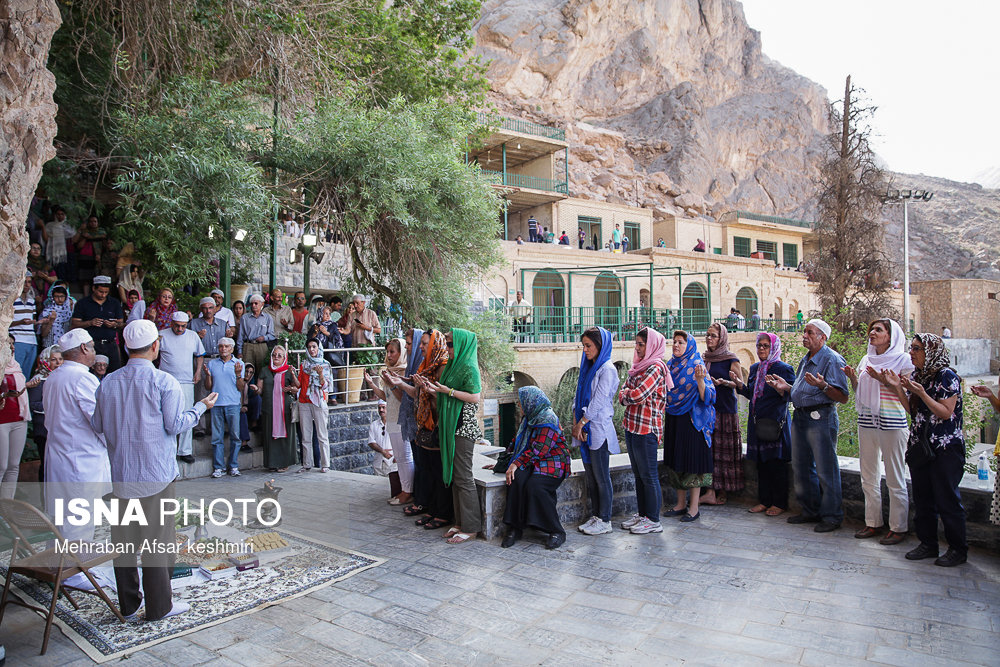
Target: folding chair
pixel 25 522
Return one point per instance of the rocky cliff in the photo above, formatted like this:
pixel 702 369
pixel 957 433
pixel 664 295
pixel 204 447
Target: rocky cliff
pixel 670 104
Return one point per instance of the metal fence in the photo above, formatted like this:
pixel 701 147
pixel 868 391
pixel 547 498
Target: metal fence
pixel 560 324
pixel 522 181
pixel 522 126
pixel 348 367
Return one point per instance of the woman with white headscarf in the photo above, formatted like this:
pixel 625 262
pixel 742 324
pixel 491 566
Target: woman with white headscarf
pixel 395 364
pixel 882 430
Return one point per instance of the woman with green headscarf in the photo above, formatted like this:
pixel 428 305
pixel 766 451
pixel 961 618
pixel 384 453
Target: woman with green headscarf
pixel 458 429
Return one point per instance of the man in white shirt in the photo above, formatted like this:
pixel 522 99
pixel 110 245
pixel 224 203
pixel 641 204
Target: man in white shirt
pixel 182 356
pixel 223 313
pixel 76 458
pixel 521 311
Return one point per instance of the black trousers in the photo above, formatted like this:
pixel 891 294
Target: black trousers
pixel 935 493
pixel 437 498
pixel 156 567
pixel 531 502
pixel 772 483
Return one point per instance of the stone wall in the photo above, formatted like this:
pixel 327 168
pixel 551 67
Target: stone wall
pixel 969 356
pixel 349 451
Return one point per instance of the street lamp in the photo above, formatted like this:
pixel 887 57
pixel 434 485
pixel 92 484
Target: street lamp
pixel 906 196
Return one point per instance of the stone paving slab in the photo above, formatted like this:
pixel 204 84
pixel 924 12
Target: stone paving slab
pixel 733 589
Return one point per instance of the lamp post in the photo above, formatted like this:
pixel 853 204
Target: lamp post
pixel 905 196
pixel 308 243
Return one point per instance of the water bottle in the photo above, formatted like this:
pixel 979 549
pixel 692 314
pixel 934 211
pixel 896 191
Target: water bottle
pixel 983 468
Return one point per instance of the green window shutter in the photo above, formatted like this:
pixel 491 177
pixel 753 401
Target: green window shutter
pixel 634 238
pixel 790 254
pixel 770 250
pixel 741 246
pixel 717 251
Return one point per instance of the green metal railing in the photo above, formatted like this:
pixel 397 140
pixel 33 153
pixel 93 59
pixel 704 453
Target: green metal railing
pixel 559 324
pixel 522 126
pixel 773 325
pixel 522 181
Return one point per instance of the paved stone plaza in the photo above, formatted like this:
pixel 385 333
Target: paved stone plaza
pixel 733 588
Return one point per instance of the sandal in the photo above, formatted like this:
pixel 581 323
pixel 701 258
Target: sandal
pixel 774 511
pixel 757 509
pixel 459 538
pixel 423 521
pixel 434 524
pixel 454 530
pixel 413 510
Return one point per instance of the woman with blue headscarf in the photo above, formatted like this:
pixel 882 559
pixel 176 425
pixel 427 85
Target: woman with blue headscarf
pixel 594 431
pixel 688 426
pixel 538 464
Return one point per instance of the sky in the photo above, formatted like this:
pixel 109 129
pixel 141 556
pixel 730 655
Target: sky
pixel 931 68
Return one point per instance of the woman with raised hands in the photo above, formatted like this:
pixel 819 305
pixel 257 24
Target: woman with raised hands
pixel 727 445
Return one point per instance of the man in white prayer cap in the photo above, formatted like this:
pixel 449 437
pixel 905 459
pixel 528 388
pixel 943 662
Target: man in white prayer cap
pixel 139 410
pixel 76 459
pixel 223 313
pixel 100 367
pixel 820 384
pixel 182 356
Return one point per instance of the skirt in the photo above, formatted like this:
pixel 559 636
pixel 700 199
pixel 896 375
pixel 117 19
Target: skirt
pixel 727 453
pixel 686 456
pixel 279 452
pixel 531 502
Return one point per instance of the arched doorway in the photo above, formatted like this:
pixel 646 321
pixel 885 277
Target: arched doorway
pixel 694 308
pixel 746 301
pixel 548 296
pixel 608 301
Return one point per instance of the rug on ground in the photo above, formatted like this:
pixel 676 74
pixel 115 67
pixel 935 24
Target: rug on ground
pixel 306 565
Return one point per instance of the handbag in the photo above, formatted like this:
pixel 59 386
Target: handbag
pixel 427 439
pixel 921 452
pixel 503 462
pixel 769 430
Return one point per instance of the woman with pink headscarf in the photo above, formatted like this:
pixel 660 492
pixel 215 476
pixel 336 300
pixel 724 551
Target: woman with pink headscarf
pixel 644 397
pixel 768 432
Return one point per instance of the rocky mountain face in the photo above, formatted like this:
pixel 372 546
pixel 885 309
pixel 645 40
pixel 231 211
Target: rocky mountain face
pixel 671 105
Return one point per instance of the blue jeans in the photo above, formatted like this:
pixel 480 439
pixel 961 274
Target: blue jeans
pixel 598 477
pixel 24 355
pixel 225 418
pixel 815 465
pixel 642 455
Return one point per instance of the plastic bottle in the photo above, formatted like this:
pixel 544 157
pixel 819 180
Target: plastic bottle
pixel 983 469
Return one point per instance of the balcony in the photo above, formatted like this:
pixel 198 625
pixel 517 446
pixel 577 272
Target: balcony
pixel 734 217
pixel 530 182
pixel 521 126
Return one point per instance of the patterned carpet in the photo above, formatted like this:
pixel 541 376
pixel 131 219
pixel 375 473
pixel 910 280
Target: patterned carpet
pixel 305 566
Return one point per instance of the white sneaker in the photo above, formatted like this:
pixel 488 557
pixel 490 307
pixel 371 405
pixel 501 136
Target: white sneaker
pixel 217 474
pixel 599 527
pixel 628 523
pixel 588 523
pixel 645 526
pixel 235 472
pixel 179 608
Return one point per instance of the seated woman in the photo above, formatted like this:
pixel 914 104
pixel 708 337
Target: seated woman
pixel 539 463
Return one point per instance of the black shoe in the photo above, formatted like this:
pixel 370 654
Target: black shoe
pixel 511 537
pixel 825 527
pixel 246 448
pixel 675 512
pixel 921 552
pixel 555 540
pixel 187 458
pixel 803 518
pixel 951 558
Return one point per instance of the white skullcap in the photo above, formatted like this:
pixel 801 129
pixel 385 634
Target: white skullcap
pixel 217 291
pixel 207 301
pixel 101 359
pixel 75 338
pixel 821 325
pixel 226 340
pixel 139 334
pixel 256 297
pixel 180 316
pixel 102 280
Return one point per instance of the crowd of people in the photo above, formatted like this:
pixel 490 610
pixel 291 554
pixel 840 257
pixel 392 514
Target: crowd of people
pixel 685 403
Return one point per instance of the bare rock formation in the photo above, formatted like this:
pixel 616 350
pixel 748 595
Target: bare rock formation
pixel 27 128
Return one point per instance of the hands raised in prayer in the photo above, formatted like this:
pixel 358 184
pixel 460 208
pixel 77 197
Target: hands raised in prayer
pixel 778 383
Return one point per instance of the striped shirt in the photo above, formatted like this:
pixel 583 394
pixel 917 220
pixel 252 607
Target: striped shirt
pixel 891 414
pixel 139 410
pixel 24 309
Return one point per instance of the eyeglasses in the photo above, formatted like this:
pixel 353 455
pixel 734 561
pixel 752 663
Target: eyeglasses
pixel 916 348
pixel 766 346
pixel 711 336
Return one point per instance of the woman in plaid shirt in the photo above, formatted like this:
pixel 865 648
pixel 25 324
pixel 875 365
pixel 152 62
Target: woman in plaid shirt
pixel 539 463
pixel 644 398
